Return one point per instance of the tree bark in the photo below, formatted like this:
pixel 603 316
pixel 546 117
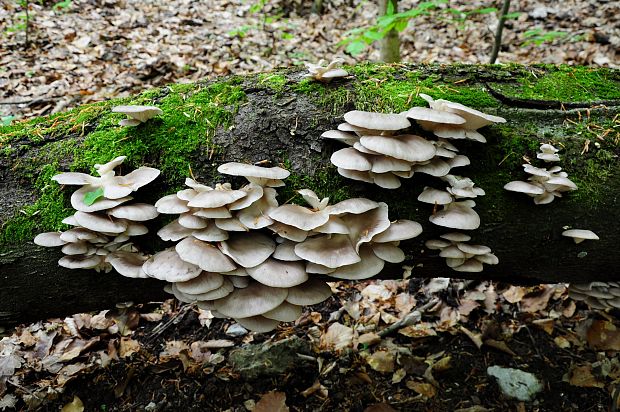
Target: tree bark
pixel 390 44
pixel 283 124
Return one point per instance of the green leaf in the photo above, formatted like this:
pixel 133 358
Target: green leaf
pixel 6 120
pixel 91 197
pixel 401 25
pixel 513 15
pixel 390 8
pixel 356 47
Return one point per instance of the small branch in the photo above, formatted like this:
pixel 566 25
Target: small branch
pixel 409 319
pixel 498 33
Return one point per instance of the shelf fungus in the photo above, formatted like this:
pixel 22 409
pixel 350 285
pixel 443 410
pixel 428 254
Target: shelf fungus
pixel 136 114
pixel 103 222
pixel 326 73
pixel 598 295
pixel 579 235
pixel 544 185
pixel 244 256
pixel 460 255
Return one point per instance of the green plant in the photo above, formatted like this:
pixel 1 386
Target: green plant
pixel 538 36
pixel 62 5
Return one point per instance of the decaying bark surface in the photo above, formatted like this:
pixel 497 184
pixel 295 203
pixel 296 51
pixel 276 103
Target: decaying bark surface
pixel 284 125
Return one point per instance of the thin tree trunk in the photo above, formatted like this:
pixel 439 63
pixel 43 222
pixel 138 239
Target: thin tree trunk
pixel 390 44
pixel 497 44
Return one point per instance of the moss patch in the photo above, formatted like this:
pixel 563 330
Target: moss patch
pixel 169 142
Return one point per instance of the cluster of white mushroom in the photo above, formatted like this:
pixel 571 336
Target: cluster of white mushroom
pixel 136 114
pixel 461 256
pixel 544 185
pixel 381 152
pixel 327 73
pixel 598 295
pixel 228 265
pixel 103 223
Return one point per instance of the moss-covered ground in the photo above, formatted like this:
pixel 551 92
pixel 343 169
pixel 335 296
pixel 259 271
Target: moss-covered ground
pixel 193 112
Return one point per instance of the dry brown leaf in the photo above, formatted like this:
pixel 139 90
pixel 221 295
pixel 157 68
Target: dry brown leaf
pixel 369 339
pixel 152 317
pixel 75 405
pixel 399 375
pixel 537 301
pixel 426 390
pixel 337 337
pixel 582 376
pixel 272 402
pixel 476 338
pixel 499 345
pixel 404 303
pixel 545 324
pixel 128 347
pixel 562 342
pixel 603 335
pixel 316 387
pixel 420 330
pixel 514 294
pixel 381 361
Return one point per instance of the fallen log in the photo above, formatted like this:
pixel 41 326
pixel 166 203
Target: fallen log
pixel 278 117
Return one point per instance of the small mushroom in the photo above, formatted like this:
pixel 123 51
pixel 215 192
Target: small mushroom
pixel 579 235
pixel 136 114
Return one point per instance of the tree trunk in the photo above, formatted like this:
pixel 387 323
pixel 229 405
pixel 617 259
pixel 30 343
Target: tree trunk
pixel 279 117
pixel 390 44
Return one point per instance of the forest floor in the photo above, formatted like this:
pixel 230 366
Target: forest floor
pixel 90 50
pixel 341 355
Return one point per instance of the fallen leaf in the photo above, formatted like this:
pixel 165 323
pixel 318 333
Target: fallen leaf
pixel 337 337
pixel 499 345
pixel 380 407
pixel 582 376
pixel 514 294
pixel 381 361
pixel 537 301
pixel 399 375
pixel 562 342
pixel 128 347
pixel 545 324
pixel 272 402
pixel 475 337
pixel 316 387
pixel 369 339
pixel 603 335
pixel 75 405
pixel 426 390
pixel 420 330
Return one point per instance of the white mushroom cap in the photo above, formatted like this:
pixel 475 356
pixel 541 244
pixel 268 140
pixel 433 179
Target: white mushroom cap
pixel 353 206
pixel 213 213
pixel 331 251
pixel 74 178
pixel 384 164
pixel 138 212
pixel 544 199
pixel 313 200
pixel 452 132
pixel 473 249
pixel 205 282
pixel 226 289
pixel 475 119
pixel 524 187
pixel 436 167
pixel 203 254
pixel 216 198
pixel 436 244
pixel 334 73
pixel 139 177
pixel 168 266
pixel 351 159
pixel 100 223
pixel 579 235
pixel 289 232
pixel 77 200
pixel 128 264
pixel 377 121
pixel 171 204
pixel 231 224
pixel 456 237
pixel 248 249
pixel 80 261
pixel 399 230
pixel 388 252
pixel 254 192
pixel 458 161
pixel 140 113
pixel 286 251
pixel 560 183
pixel 254 300
pixel 279 274
pixel 355 175
pixel 385 180
pixel 258 324
pixel 256 172
pixel 407 147
pixel 346 138
pixel 80 233
pixel 286 312
pixel 536 171
pixel 309 293
pixel 174 231
pixel 79 248
pixel 452 252
pixel 318 269
pixel 435 196
pixel 105 168
pixel 457 215
pixel 470 265
pixel 361 148
pixel 49 239
pixel 239 282
pixel 488 258
pixel 334 225
pixel 299 216
pixel 256 216
pixel 364 227
pixel 429 117
pixel 190 221
pixel 369 266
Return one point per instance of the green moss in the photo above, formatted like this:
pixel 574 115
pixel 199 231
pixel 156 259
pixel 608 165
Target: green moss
pixel 566 83
pixel 46 214
pixel 191 115
pixel 274 81
pixel 326 182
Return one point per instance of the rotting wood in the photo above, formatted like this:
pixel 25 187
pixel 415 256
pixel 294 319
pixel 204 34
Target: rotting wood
pixel 526 238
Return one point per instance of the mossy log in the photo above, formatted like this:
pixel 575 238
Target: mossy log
pixel 279 117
